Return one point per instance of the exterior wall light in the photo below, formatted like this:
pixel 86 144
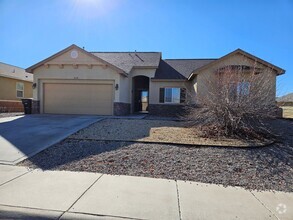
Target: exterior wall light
pixel 34 85
pixel 116 86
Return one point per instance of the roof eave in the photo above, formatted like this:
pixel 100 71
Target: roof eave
pixel 31 68
pixel 145 67
pixel 14 77
pixel 163 80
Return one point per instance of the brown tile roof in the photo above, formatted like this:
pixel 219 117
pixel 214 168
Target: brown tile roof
pixel 127 60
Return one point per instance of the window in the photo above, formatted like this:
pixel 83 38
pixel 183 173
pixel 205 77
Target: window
pixel 19 90
pixel 243 88
pixel 172 95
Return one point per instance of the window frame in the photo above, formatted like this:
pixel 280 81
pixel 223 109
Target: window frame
pixel 172 97
pixel 19 90
pixel 243 88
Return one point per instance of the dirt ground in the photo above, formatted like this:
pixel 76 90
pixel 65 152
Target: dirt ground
pixel 154 131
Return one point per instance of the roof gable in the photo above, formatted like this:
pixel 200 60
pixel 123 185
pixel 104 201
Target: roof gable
pixel 242 52
pixel 65 57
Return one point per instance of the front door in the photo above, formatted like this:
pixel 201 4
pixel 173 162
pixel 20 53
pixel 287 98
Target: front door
pixel 141 100
pixel 140 94
pixel 144 97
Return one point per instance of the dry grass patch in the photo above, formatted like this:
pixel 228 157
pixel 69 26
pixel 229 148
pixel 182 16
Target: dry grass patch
pixel 287 111
pixel 156 131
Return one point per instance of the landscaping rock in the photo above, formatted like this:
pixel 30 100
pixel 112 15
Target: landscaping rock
pixel 265 168
pixel 208 165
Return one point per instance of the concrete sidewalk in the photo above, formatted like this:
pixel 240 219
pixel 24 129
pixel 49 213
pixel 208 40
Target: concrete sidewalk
pixel 36 194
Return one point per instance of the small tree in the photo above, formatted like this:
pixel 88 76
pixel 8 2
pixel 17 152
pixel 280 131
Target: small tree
pixel 239 100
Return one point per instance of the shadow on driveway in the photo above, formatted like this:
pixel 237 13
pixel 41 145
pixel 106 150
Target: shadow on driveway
pixel 24 136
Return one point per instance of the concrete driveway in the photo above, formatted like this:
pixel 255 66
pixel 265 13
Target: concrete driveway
pixel 24 136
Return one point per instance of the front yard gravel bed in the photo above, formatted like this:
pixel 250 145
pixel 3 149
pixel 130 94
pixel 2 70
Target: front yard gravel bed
pixel 266 168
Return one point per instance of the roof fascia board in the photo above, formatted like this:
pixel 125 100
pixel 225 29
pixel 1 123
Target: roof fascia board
pixel 145 67
pixel 14 77
pixel 254 58
pixel 168 80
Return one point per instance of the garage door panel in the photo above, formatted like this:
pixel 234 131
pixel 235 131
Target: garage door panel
pixel 77 98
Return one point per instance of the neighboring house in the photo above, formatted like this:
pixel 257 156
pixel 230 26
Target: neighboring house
pixel 15 84
pixel 75 81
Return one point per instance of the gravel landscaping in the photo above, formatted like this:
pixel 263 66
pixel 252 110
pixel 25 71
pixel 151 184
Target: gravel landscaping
pixel 156 131
pixel 263 168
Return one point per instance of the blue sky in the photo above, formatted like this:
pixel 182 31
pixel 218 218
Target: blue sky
pixel 32 30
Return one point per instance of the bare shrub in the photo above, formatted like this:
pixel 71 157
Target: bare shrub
pixel 238 101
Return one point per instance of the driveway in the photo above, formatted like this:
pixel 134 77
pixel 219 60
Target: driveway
pixel 24 136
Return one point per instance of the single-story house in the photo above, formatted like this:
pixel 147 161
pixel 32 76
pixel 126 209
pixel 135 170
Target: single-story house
pixel 75 81
pixel 15 84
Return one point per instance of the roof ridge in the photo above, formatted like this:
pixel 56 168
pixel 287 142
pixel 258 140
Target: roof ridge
pixel 123 52
pixel 192 59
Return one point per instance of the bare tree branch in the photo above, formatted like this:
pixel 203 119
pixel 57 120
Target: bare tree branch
pixel 238 101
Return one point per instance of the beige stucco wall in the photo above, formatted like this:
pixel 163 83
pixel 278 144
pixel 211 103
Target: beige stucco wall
pixel 8 89
pixel 156 85
pixel 201 80
pixel 83 69
pixel 43 74
pixel 82 58
pixel 125 89
pixel 87 69
pixel 149 72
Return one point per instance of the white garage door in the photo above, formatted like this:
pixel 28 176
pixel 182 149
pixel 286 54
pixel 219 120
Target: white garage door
pixel 74 98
